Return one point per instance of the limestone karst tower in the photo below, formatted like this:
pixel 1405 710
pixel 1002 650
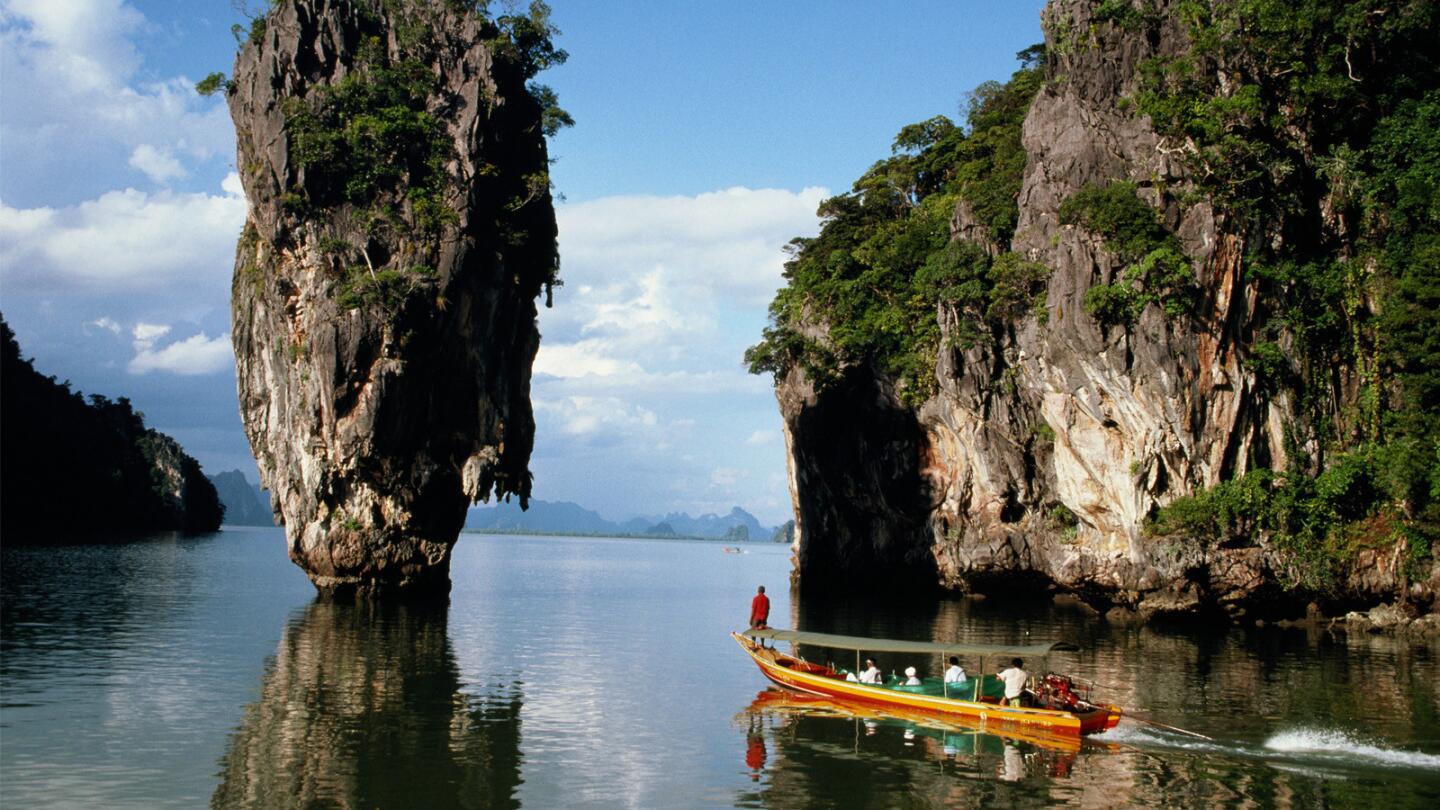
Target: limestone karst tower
pixel 400 229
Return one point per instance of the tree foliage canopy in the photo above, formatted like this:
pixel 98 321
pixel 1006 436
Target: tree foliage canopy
pixel 884 260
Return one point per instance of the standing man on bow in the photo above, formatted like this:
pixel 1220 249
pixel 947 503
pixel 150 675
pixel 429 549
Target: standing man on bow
pixel 760 609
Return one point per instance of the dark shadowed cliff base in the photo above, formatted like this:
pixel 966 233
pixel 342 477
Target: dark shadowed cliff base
pixel 399 232
pixel 1158 327
pixel 72 470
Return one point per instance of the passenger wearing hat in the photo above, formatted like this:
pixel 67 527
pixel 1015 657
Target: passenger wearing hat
pixel 910 678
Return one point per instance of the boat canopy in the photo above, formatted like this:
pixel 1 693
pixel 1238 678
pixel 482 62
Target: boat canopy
pixel 898 646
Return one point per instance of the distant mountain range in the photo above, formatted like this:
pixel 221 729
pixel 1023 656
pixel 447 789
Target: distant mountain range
pixel 246 504
pixel 564 517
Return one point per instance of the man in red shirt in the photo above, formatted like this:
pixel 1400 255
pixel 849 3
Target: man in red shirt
pixel 760 609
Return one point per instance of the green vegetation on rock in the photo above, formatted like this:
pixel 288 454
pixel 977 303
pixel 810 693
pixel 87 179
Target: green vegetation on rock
pixel 884 263
pixel 374 145
pixel 1156 268
pixel 1314 127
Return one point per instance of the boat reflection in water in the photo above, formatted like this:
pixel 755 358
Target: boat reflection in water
pixel 1010 754
pixel 363 706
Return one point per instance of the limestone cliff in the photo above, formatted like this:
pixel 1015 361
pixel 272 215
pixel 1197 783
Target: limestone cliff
pixel 1046 445
pixel 400 229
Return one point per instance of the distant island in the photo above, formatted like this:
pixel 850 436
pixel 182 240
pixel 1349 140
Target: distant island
pixel 566 518
pixel 72 465
pixel 246 504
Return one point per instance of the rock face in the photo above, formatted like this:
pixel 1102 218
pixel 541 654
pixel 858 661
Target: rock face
pixel 1044 450
pixel 400 229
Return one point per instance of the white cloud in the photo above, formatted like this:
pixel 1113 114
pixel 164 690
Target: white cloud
pixel 194 355
pixel 108 324
pixel 159 165
pixel 582 359
pixel 646 307
pixel 146 334
pixel 581 415
pixel 123 240
pixel 728 242
pixel 231 185
pixel 760 438
pixel 74 111
pixel 661 285
pixel 85 43
pixel 640 364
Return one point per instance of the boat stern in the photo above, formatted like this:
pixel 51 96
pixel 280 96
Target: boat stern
pixel 1103 718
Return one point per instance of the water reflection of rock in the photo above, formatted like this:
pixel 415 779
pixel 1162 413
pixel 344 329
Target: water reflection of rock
pixel 363 706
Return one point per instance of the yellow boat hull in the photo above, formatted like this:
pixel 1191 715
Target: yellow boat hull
pixel 796 675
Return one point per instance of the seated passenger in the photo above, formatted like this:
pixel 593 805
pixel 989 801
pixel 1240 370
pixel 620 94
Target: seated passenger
pixel 910 679
pixel 850 676
pixel 956 673
pixel 870 674
pixel 1014 678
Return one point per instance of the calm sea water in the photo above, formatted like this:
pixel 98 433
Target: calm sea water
pixel 185 671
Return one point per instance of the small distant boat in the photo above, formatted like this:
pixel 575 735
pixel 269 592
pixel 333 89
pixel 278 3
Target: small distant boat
pixel 1057 707
pixel 733 550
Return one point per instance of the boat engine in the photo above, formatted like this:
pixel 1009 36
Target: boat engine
pixel 1057 692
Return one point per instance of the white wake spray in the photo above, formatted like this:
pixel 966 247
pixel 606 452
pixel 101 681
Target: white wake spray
pixel 1332 743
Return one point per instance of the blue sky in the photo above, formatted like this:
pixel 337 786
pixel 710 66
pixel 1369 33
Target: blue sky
pixel 706 134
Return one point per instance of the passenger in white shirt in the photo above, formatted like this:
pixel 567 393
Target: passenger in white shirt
pixel 1014 679
pixel 910 679
pixel 956 673
pixel 870 674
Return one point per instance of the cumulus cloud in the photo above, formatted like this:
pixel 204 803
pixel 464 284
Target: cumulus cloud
pixel 727 242
pixel 641 357
pixel 584 358
pixel 122 240
pixel 146 334
pixel 611 416
pixel 194 355
pixel 159 165
pixel 83 42
pixel 108 324
pixel 74 110
pixel 659 282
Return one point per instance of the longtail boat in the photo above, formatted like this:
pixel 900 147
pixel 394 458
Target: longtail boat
pixel 1056 702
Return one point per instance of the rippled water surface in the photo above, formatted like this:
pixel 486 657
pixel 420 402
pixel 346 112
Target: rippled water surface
pixel 185 671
